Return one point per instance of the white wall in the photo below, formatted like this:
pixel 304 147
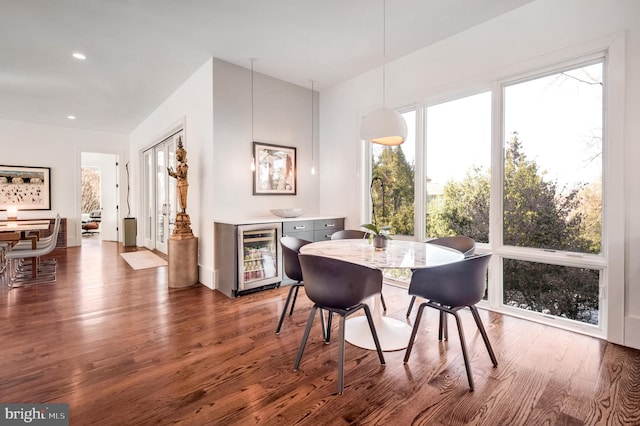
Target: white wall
pixel 540 31
pixel 190 104
pixel 215 104
pixel 281 116
pixel 28 144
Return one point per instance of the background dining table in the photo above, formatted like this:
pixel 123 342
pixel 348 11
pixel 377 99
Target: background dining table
pixel 16 230
pixel 393 334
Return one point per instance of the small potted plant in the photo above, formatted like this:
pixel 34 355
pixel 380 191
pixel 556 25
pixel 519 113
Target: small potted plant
pixel 379 235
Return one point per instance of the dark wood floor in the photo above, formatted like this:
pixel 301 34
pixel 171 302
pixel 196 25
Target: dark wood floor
pixel 123 349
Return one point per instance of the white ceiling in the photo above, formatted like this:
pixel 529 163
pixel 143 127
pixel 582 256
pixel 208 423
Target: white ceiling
pixel 140 51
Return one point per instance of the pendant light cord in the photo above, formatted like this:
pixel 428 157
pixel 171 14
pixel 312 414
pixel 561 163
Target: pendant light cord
pixel 252 60
pixel 312 120
pixel 384 51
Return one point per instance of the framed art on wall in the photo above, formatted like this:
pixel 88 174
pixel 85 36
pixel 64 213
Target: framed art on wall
pixel 26 188
pixel 275 169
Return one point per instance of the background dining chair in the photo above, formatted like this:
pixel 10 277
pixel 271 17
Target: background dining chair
pixel 21 275
pixel 348 234
pixel 42 242
pixel 341 288
pixel 290 249
pixel 463 244
pixel 449 288
pixel 355 234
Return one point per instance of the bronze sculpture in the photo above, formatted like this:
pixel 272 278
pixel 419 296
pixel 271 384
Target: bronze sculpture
pixel 182 226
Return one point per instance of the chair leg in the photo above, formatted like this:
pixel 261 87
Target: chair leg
pixel 414 332
pixel 328 330
pixel 303 343
pixel 413 299
pixel 384 305
pixel 295 297
pixel 476 317
pixel 341 356
pixel 443 329
pixel 463 343
pixel 286 305
pixel 374 333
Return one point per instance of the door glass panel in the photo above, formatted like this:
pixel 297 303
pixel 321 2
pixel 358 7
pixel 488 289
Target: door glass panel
pixel 561 291
pixel 171 188
pixel 148 204
pixel 458 159
pixel 553 161
pixel 392 182
pixel 161 191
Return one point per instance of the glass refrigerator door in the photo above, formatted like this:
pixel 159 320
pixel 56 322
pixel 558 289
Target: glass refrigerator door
pixel 260 262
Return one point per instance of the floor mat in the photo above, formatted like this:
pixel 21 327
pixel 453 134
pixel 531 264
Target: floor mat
pixel 143 259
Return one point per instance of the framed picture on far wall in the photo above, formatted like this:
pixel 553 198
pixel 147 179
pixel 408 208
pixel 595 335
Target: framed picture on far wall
pixel 26 188
pixel 275 169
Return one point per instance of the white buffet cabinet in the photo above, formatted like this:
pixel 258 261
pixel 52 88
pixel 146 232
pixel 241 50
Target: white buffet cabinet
pixel 248 256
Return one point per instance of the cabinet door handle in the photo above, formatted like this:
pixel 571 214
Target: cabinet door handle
pixel 299 227
pixel 330 225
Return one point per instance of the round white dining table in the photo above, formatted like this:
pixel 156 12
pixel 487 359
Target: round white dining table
pixel 392 333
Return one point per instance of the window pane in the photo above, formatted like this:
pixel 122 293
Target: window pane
pixel 553 161
pixel 90 189
pixel 458 163
pixel 560 291
pixel 392 182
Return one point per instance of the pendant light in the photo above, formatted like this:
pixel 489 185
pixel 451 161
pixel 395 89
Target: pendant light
pixel 313 164
pixel 252 166
pixel 384 126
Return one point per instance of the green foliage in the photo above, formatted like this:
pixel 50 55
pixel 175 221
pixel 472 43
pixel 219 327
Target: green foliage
pixel 463 208
pixel 377 230
pixel 536 214
pixel 393 183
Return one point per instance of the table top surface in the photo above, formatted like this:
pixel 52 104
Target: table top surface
pixel 23 225
pixel 398 254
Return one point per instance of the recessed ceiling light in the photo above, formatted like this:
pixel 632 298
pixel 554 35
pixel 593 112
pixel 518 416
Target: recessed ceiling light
pixel 71 117
pixel 79 56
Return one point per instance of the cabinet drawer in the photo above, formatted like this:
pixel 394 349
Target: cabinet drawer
pixel 296 226
pixel 323 234
pixel 329 224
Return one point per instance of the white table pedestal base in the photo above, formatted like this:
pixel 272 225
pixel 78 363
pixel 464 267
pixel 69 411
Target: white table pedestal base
pixel 392 333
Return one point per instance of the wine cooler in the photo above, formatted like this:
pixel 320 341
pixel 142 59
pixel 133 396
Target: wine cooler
pixel 248 257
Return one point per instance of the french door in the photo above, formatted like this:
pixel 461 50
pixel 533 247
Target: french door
pixel 160 193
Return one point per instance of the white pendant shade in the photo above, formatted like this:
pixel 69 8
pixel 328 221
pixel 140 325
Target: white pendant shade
pixel 384 126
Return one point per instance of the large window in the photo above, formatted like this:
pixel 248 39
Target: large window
pixel 520 169
pixel 458 166
pixel 552 190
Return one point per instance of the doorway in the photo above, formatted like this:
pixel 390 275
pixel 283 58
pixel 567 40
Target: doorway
pixel 102 170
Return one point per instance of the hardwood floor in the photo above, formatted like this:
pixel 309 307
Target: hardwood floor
pixel 123 349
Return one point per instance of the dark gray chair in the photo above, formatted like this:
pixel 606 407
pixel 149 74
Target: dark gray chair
pixel 449 288
pixel 348 234
pixel 466 246
pixel 338 287
pixel 290 249
pixel 354 234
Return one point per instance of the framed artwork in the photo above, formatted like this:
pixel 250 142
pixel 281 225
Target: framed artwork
pixel 275 169
pixel 26 188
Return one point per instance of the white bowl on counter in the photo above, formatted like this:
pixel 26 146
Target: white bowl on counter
pixel 287 212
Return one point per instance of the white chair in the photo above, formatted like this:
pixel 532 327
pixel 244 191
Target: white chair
pixel 45 272
pixel 42 242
